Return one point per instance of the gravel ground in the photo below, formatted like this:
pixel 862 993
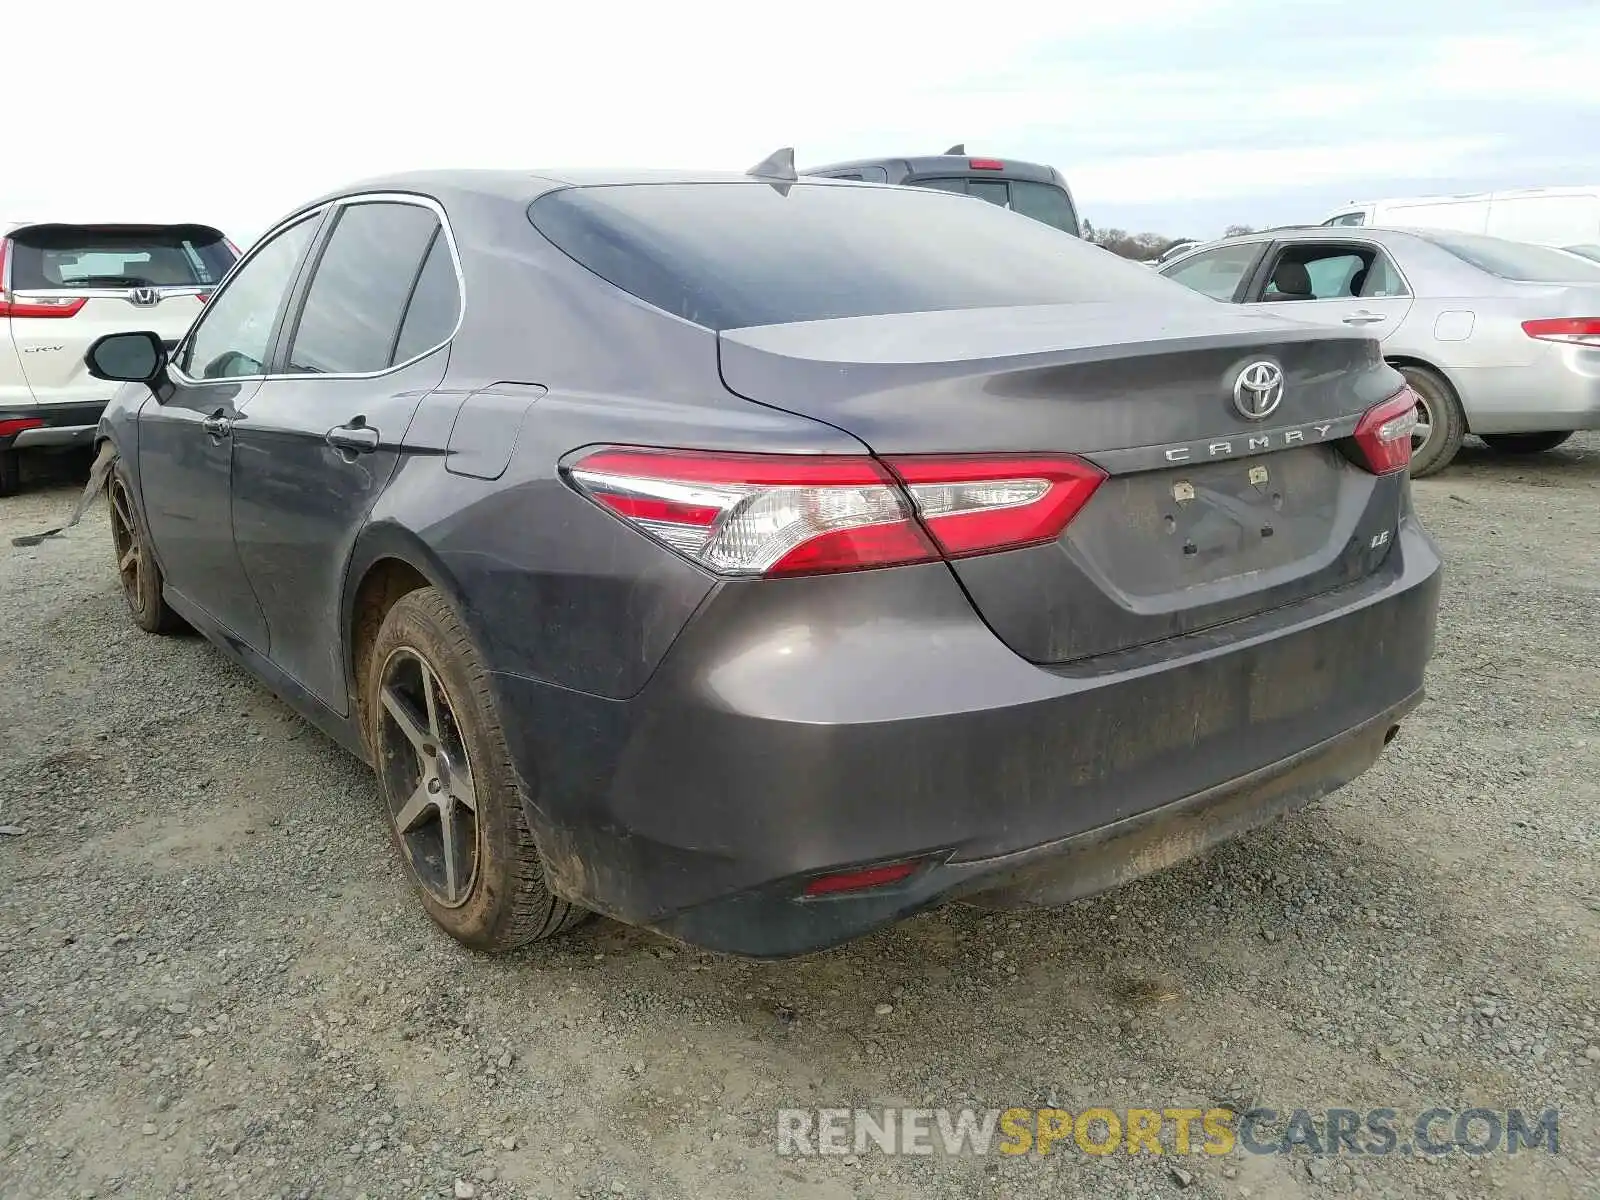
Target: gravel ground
pixel 213 980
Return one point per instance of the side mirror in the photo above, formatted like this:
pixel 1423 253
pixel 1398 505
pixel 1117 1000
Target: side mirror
pixel 128 358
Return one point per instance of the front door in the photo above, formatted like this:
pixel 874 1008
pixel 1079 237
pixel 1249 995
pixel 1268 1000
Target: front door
pixel 185 443
pixel 314 448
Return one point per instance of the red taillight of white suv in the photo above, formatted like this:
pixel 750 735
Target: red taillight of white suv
pixel 38 306
pixel 782 514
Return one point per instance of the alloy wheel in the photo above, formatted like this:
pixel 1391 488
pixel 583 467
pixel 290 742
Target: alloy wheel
pixel 1424 427
pixel 427 778
pixel 125 540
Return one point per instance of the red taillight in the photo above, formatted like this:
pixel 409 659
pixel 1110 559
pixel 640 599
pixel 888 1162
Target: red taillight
pixel 38 306
pixel 785 514
pixel 202 296
pixel 1581 331
pixel 857 881
pixel 41 306
pixel 996 502
pixel 13 427
pixel 1383 435
pixel 986 164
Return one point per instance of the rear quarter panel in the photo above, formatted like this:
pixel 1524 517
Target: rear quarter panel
pixel 553 587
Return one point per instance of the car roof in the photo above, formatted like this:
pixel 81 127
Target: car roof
pixel 526 186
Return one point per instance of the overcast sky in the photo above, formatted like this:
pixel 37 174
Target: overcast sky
pixel 1164 115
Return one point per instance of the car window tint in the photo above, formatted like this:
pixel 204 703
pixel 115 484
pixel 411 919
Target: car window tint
pixel 435 304
pixel 729 255
pixel 1215 273
pixel 232 336
pixel 992 190
pixel 1515 260
pixel 942 185
pixel 1383 279
pixel 1043 202
pixel 117 256
pixel 352 311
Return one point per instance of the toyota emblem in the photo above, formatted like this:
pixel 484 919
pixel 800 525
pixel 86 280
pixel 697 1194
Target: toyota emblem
pixel 1259 390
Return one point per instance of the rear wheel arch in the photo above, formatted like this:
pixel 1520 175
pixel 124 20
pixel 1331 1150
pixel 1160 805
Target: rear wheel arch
pixel 1398 361
pixel 1438 392
pixel 388 563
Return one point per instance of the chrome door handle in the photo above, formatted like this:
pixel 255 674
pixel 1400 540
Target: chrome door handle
pixel 358 439
pixel 217 426
pixel 1364 318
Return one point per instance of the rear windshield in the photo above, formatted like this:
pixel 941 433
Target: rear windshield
pixel 78 256
pixel 1514 260
pixel 730 255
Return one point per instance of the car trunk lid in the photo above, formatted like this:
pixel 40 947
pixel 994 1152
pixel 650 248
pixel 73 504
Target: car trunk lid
pixel 1215 508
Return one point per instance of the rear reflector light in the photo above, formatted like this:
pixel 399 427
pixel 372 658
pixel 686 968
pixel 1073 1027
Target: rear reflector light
pixel 14 427
pixel 1580 331
pixel 785 514
pixel 986 164
pixel 858 881
pixel 1383 435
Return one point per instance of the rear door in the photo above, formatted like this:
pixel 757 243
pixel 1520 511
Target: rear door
pixel 66 285
pixel 1355 286
pixel 366 338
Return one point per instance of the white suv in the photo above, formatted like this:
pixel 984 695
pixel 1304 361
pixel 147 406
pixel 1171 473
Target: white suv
pixel 61 287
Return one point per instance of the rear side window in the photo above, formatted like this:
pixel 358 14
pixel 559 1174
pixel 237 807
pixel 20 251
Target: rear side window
pixel 435 304
pixel 1044 203
pixel 730 255
pixel 1516 261
pixel 364 279
pixel 117 256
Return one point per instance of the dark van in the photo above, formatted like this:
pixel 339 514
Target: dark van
pixel 1032 189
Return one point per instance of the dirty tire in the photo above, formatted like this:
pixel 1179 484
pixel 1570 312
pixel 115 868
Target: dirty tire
pixel 1524 443
pixel 137 571
pixel 10 471
pixel 1443 412
pixel 504 902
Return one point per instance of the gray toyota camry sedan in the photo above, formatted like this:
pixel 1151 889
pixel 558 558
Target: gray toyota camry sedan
pixel 762 560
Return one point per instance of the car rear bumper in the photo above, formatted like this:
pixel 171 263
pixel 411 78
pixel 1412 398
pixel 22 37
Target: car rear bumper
pixel 814 726
pixel 1559 391
pixel 59 425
